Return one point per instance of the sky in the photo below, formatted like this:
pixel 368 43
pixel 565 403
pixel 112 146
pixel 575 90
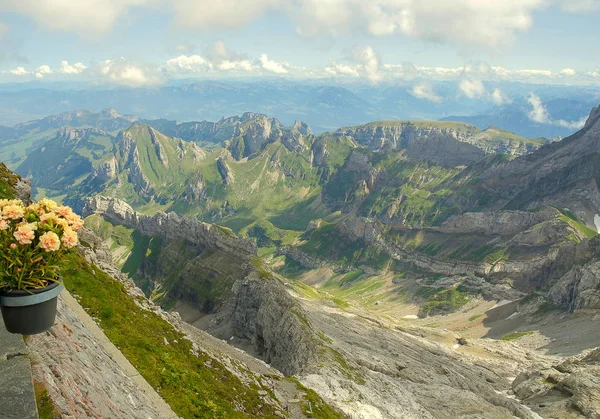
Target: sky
pixel 149 42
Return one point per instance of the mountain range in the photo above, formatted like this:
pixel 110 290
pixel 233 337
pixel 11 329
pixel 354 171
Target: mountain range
pixel 388 232
pixel 323 105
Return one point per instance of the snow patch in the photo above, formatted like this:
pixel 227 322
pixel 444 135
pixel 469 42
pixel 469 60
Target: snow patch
pixel 597 222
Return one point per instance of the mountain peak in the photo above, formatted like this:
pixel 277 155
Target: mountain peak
pixel 593 118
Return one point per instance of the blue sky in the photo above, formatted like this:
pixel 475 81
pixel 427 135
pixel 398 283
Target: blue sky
pixel 145 42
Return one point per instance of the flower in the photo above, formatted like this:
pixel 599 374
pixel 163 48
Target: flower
pixel 48 216
pixel 13 246
pixel 69 238
pixel 63 211
pixel 25 233
pixel 13 211
pixel 48 203
pixel 75 221
pixel 3 225
pixel 50 241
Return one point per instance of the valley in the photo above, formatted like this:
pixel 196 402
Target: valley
pixel 397 268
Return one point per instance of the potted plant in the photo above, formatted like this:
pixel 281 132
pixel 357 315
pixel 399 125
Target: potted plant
pixel 33 239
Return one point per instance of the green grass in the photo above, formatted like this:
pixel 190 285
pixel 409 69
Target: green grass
pixel 498 256
pixel 475 317
pixel 445 302
pixel 7 181
pixel 313 403
pixel 570 218
pixel 45 406
pixel 194 386
pixel 515 335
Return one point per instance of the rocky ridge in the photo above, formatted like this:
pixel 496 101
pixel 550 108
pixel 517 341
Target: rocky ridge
pixel 170 226
pixel 419 136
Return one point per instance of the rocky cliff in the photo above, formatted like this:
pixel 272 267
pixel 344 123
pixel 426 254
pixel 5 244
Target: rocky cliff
pixel 449 137
pixel 170 226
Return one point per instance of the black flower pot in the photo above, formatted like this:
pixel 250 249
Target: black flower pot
pixel 29 312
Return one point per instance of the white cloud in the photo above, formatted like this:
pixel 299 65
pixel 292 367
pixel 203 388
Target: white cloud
pixel 240 65
pixel 223 13
pixel 124 73
pixel 19 71
pixel 369 60
pixel 273 66
pixel 86 17
pixel 66 68
pixel 540 114
pixel 461 22
pixel 567 72
pixel 473 89
pixel 425 91
pixel 573 125
pixel 43 70
pixel 192 63
pixel 499 98
pixel 342 70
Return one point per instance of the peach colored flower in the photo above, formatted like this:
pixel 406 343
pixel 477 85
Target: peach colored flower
pixel 13 246
pixel 48 203
pixel 13 211
pixel 62 223
pixel 4 225
pixel 25 233
pixel 48 216
pixel 63 211
pixel 50 241
pixel 69 238
pixel 75 221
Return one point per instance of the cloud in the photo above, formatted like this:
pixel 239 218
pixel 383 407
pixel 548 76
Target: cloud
pixel 342 70
pixel 567 72
pixel 66 68
pixel 191 64
pixel 499 98
pixel 572 125
pixel 460 22
pixel 43 70
pixel 425 91
pixel 473 89
pixel 407 71
pixel 223 13
pixel 19 71
pixel 240 65
pixel 123 73
pixel 369 60
pixel 273 66
pixel 86 17
pixel 540 114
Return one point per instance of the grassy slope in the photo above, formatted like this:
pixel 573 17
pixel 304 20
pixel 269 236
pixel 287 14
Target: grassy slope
pixel 194 386
pixel 7 180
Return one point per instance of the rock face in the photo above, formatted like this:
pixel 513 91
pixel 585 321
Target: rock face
pixel 276 325
pixel 170 226
pixel 495 222
pixel 225 172
pixel 430 139
pixel 570 389
pixel 85 375
pixel 579 289
pixel 15 184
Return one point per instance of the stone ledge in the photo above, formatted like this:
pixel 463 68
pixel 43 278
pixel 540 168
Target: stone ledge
pixel 17 397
